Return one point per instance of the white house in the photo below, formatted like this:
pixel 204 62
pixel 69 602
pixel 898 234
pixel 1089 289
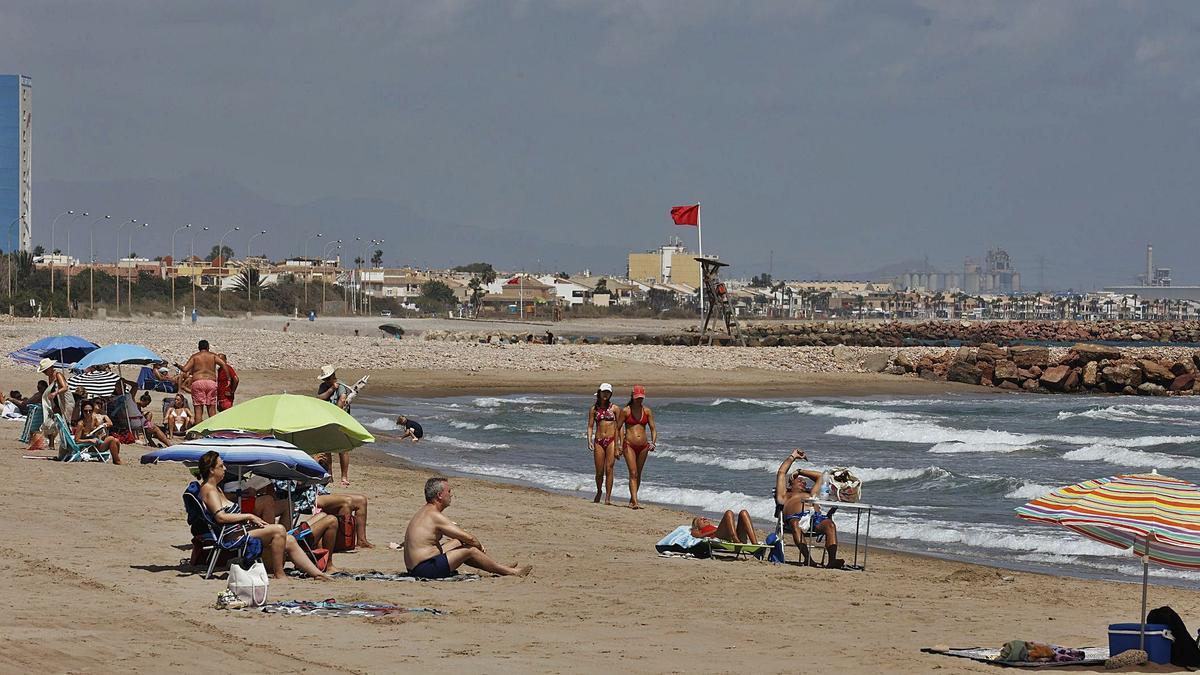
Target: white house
pixel 569 293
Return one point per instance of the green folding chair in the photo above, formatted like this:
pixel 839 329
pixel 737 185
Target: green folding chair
pixel 73 450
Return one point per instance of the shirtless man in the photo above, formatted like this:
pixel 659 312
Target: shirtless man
pixel 423 553
pixel 795 495
pixel 93 422
pixel 202 369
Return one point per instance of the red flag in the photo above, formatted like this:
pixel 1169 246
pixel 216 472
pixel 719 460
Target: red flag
pixel 686 215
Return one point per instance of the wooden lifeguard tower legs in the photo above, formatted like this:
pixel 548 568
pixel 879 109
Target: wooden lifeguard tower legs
pixel 717 300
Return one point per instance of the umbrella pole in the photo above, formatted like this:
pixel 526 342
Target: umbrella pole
pixel 1145 583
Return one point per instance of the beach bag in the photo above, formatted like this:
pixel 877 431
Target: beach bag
pixel 320 558
pixel 844 486
pixel 347 536
pixel 250 585
pixel 776 544
pixel 1184 651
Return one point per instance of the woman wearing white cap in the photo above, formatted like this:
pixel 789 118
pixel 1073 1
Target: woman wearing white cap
pixel 57 390
pixel 338 394
pixel 602 439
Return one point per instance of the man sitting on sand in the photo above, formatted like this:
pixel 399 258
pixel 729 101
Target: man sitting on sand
pixel 795 495
pixel 201 368
pixel 423 553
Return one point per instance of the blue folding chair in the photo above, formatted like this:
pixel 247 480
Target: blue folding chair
pixel 73 450
pixel 216 537
pixel 33 422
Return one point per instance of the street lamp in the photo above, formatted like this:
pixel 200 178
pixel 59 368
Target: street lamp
pixel 175 264
pixel 132 270
pixel 192 265
pixel 85 214
pixel 117 260
pixel 248 245
pixel 52 224
pixel 325 269
pixel 358 299
pixel 92 263
pixel 306 274
pixel 221 254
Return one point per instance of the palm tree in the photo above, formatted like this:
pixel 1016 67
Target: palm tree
pixel 250 278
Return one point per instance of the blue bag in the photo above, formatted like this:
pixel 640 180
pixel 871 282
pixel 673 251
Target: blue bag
pixel 776 544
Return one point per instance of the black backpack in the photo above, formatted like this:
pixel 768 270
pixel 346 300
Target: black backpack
pixel 1184 651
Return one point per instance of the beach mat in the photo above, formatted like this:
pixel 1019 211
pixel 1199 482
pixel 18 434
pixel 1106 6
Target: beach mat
pixel 1093 656
pixel 332 607
pixel 383 576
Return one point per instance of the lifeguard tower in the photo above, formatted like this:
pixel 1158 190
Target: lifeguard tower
pixel 716 299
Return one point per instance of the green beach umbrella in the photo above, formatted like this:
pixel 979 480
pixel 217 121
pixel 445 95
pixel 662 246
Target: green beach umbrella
pixel 306 422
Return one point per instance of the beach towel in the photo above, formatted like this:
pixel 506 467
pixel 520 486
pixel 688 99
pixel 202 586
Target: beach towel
pixel 384 576
pixel 332 607
pixel 1093 656
pixel 680 540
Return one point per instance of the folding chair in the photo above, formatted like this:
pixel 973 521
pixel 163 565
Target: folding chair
pixel 213 535
pixel 810 537
pixel 73 450
pixel 33 422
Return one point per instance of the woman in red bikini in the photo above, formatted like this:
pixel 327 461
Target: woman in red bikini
pixel 636 418
pixel 602 439
pixel 737 529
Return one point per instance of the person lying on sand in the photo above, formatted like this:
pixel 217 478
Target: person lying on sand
pixel 795 495
pixel 739 530
pixel 276 542
pixel 423 553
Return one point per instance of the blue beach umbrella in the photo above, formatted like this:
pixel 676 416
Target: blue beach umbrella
pixel 64 349
pixel 266 457
pixel 120 354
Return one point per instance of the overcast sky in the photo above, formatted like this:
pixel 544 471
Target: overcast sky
pixel 842 136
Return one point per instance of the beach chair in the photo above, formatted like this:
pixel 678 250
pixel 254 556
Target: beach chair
pixel 214 537
pixel 33 422
pixel 75 451
pixel 148 381
pixel 717 548
pixel 811 537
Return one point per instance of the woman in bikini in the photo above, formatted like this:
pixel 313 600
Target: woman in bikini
pixel 737 529
pixel 635 419
pixel 602 439
pixel 178 417
pixel 276 542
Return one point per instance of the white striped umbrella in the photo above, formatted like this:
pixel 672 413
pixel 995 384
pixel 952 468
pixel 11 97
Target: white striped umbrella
pixel 96 383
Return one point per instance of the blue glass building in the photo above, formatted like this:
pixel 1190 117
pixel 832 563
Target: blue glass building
pixel 16 143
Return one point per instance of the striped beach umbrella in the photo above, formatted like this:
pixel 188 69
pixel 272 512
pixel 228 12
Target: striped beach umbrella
pixel 1156 517
pixel 97 383
pixel 267 457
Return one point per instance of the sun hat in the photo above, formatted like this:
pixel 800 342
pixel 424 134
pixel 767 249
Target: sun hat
pixel 327 371
pixel 45 364
pixel 606 387
pixel 639 391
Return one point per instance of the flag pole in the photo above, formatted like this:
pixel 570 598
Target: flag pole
pixel 700 236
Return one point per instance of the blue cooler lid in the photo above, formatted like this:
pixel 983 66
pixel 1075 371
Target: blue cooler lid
pixel 1136 629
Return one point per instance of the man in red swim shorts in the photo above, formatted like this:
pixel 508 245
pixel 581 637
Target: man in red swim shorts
pixel 202 368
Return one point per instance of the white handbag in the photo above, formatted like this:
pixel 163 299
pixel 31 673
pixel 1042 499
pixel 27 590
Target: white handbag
pixel 251 584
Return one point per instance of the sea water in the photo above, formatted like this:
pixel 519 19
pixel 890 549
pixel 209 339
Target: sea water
pixel 943 473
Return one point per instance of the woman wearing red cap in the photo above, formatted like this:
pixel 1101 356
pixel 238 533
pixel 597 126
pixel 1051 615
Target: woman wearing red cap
pixel 636 419
pixel 602 439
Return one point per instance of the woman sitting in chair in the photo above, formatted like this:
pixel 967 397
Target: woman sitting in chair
pixel 276 542
pixel 739 531
pixel 178 418
pixel 92 429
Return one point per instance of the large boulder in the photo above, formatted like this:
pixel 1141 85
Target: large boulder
pixel 905 361
pixel 1006 371
pixel 991 352
pixel 1151 389
pixel 1156 372
pixel 963 371
pixel 1009 385
pixel 1091 374
pixel 1181 367
pixel 1122 375
pixel 1184 382
pixel 1055 377
pixel 876 362
pixel 1071 384
pixel 1027 356
pixel 1087 352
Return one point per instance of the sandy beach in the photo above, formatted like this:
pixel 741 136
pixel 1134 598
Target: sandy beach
pixel 96 585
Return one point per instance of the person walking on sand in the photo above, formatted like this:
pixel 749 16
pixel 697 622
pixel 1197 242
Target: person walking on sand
pixel 338 394
pixel 634 421
pixel 603 441
pixel 202 369
pixel 423 553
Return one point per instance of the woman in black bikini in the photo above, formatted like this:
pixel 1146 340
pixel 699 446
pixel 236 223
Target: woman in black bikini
pixel 604 442
pixel 636 419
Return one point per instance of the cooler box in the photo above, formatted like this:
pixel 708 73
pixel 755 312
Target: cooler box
pixel 1123 636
